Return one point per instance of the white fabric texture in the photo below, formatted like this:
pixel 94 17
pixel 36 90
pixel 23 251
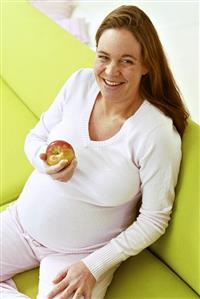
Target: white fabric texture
pixel 32 254
pixel 95 212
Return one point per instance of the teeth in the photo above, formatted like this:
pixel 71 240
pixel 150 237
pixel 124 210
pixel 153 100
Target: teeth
pixel 111 83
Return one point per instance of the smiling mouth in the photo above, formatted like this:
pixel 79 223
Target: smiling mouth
pixel 112 83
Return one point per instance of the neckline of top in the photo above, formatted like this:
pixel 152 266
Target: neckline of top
pixel 92 96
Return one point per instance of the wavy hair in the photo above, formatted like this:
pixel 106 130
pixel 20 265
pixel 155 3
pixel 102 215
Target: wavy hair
pixel 158 85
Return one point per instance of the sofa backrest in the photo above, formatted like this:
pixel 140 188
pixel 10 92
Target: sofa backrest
pixel 179 247
pixel 37 54
pixel 16 120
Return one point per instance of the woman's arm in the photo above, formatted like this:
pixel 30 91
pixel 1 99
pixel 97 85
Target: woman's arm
pixel 159 167
pixel 36 140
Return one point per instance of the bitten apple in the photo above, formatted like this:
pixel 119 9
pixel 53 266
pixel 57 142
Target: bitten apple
pixel 59 150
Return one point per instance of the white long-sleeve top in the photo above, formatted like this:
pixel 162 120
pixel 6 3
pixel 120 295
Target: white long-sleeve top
pixel 95 211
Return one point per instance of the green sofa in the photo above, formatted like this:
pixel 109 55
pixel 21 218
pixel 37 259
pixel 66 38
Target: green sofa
pixel 37 56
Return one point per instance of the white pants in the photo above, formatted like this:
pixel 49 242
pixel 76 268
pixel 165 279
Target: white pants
pixel 19 252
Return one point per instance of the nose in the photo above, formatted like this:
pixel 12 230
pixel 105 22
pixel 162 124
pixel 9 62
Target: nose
pixel 112 69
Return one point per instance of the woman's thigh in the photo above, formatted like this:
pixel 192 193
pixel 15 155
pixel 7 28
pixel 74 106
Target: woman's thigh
pixel 51 265
pixel 16 253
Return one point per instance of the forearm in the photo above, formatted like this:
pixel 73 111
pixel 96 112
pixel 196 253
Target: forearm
pixel 148 227
pixel 36 143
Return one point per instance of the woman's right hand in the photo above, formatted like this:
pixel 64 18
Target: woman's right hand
pixel 60 171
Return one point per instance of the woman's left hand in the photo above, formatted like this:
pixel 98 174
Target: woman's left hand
pixel 74 280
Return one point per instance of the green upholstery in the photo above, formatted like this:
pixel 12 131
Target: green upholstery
pixel 27 282
pixel 38 56
pixel 179 247
pixel 145 277
pixel 16 121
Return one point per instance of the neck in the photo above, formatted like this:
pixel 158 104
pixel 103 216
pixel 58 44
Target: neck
pixel 119 110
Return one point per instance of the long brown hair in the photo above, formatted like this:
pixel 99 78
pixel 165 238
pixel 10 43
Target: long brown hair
pixel 158 85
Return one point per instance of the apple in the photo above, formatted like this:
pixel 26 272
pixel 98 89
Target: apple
pixel 59 150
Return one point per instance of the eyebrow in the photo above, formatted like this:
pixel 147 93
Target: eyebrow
pixel 123 56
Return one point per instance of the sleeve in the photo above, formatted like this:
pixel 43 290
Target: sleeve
pixel 159 165
pixel 36 140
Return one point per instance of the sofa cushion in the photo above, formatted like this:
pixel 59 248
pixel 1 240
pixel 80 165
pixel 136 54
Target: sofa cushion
pixel 37 54
pixel 143 276
pixel 27 282
pixel 15 124
pixel 179 247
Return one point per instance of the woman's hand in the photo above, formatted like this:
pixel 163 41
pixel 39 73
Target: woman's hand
pixel 75 280
pixel 61 171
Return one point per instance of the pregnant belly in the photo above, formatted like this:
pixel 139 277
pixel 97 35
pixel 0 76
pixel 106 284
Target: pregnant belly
pixel 64 222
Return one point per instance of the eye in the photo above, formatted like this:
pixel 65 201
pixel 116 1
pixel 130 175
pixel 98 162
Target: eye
pixel 103 57
pixel 127 61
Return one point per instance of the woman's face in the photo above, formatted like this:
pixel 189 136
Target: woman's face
pixel 118 66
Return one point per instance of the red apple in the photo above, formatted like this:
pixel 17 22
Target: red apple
pixel 59 150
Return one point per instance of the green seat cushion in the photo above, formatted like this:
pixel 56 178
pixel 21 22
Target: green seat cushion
pixel 27 282
pixel 37 54
pixel 145 276
pixel 16 121
pixel 179 247
pixel 142 276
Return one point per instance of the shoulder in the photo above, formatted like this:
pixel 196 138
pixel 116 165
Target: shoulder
pixel 160 126
pixel 150 120
pixel 153 118
pixel 79 83
pixel 78 87
pixel 83 75
pixel 163 138
pixel 153 132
